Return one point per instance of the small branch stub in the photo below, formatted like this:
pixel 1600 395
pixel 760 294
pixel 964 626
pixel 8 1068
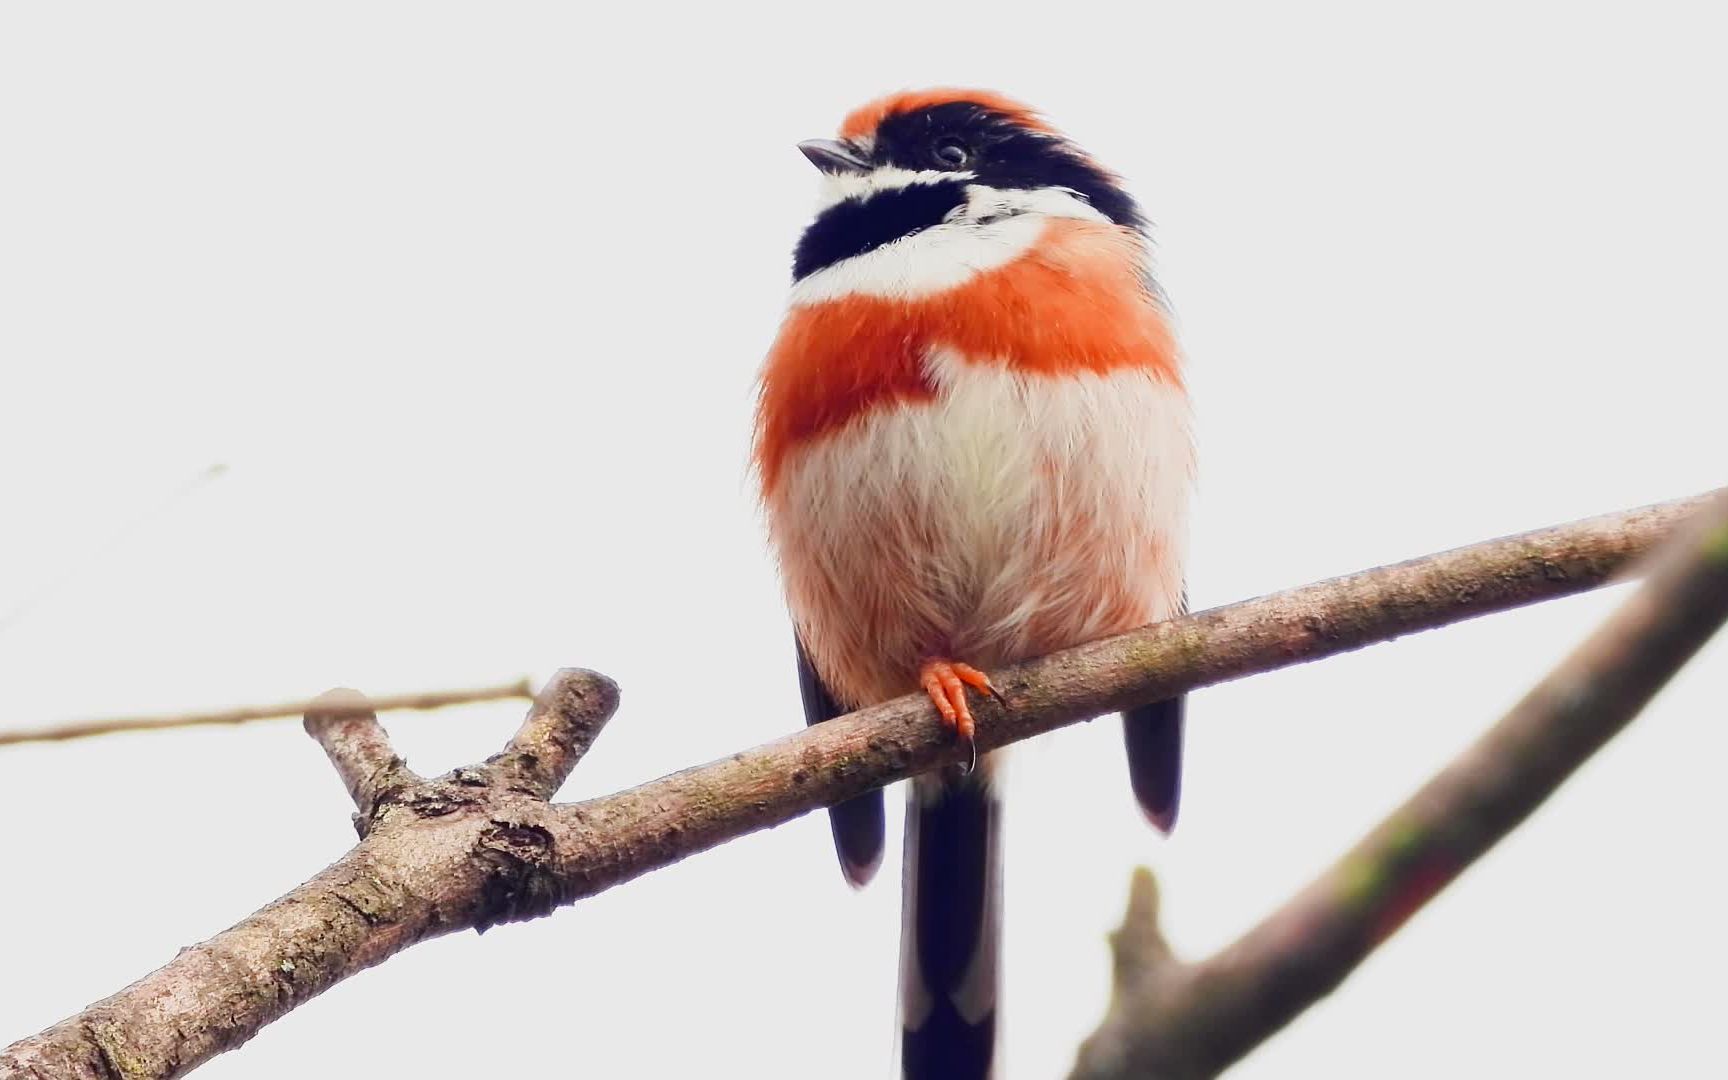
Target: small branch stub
pixel 566 719
pixel 347 728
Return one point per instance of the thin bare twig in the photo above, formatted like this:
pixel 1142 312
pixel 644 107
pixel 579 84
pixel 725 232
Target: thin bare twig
pixel 1174 1021
pixel 427 699
pixel 470 849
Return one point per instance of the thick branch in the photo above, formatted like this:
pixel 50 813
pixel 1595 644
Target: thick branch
pixel 472 849
pixel 1174 1021
pixel 427 699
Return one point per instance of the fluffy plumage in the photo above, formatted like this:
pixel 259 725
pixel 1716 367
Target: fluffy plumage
pixel 973 445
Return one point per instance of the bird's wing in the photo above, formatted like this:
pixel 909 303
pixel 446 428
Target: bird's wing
pixel 857 823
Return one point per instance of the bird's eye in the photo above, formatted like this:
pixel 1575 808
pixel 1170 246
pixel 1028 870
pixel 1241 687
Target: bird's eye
pixel 951 153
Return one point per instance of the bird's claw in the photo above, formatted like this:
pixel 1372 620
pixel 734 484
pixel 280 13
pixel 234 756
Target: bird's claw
pixel 946 682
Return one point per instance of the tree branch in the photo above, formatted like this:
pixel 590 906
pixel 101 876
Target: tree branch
pixel 428 699
pixel 1173 1021
pixel 437 855
pixel 480 845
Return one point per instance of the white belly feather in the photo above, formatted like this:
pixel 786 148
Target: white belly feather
pixel 1013 515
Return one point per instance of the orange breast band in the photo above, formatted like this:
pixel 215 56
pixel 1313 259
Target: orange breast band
pixel 1073 303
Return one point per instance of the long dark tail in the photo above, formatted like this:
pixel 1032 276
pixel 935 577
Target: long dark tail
pixel 951 923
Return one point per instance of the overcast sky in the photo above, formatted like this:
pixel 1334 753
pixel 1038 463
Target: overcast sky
pixel 469 301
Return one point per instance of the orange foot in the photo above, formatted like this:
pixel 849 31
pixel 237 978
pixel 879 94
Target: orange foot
pixel 946 682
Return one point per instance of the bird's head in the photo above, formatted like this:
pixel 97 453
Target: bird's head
pixel 947 159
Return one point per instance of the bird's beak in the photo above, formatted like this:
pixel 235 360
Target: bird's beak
pixel 832 156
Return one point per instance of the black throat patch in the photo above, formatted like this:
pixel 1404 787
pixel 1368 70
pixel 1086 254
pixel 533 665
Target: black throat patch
pixel 855 226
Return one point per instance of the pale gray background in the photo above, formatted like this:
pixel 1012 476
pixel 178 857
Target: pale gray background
pixel 470 298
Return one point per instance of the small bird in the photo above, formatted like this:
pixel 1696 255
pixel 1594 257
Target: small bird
pixel 972 439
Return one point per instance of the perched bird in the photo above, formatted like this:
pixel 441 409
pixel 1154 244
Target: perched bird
pixel 973 445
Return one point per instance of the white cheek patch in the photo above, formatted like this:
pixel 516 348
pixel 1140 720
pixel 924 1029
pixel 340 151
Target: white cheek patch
pixel 838 187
